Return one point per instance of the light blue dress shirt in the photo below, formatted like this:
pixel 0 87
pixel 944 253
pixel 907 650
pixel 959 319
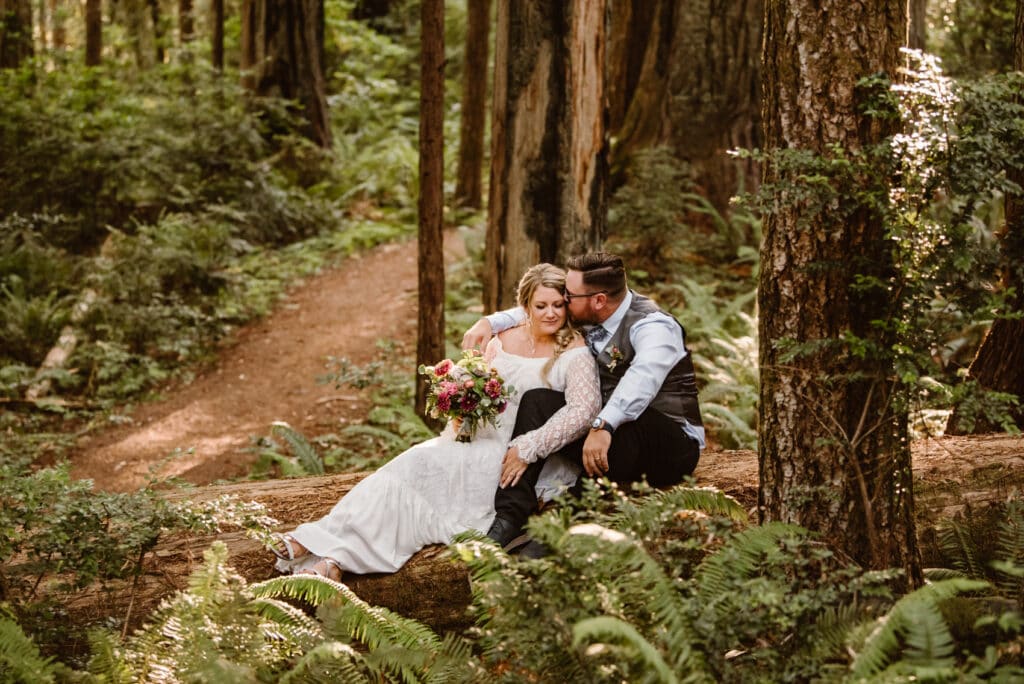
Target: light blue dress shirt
pixel 658 344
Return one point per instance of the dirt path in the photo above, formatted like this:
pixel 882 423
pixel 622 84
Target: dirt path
pixel 267 372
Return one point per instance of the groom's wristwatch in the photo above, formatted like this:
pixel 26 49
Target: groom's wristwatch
pixel 602 424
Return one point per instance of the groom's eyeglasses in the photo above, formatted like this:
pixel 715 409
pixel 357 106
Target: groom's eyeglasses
pixel 569 296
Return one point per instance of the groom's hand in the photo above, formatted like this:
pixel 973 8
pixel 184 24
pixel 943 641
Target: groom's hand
pixel 478 336
pixel 512 468
pixel 595 452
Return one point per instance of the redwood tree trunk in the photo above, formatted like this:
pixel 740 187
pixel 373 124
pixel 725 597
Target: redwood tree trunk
pixel 247 58
pixel 186 24
pixel 58 35
pixel 430 338
pixel 548 141
pixel 999 364
pixel 468 185
pixel 917 31
pixel 287 40
pixel 93 32
pixel 686 75
pixel 158 29
pixel 217 34
pixel 834 453
pixel 15 32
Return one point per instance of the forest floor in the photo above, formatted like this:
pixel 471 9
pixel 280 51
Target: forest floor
pixel 268 372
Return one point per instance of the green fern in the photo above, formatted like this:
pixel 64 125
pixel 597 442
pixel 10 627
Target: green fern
pixel 741 557
pixel 20 660
pixel 300 447
pixel 959 547
pixel 1010 548
pixel 329 662
pixel 916 624
pixel 606 629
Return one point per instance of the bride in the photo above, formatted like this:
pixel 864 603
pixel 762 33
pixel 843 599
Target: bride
pixel 442 487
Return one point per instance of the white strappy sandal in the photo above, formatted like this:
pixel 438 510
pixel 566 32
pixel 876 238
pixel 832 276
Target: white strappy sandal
pixel 328 568
pixel 284 547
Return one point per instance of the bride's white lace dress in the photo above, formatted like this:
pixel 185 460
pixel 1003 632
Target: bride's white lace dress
pixel 441 487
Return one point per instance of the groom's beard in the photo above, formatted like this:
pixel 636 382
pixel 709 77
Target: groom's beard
pixel 585 319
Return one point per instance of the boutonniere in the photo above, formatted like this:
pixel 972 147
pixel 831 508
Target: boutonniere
pixel 616 355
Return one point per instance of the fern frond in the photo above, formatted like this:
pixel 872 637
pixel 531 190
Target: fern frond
pixel 311 589
pixel 106 662
pixel 832 631
pixel 957 545
pixel 20 660
pixel 605 629
pixel 293 623
pixel 939 574
pixel 880 647
pixel 331 661
pixel 1010 547
pixel 929 643
pixel 740 557
pixel 300 447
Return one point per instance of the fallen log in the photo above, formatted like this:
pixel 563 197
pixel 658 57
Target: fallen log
pixel 950 473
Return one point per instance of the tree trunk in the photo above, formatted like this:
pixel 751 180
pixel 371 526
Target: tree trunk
pixel 687 76
pixel 158 29
pixel 143 39
pixel 431 588
pixel 186 23
pixel 93 32
pixel 469 177
pixel 247 58
pixel 217 34
pixel 287 41
pixel 917 31
pixel 430 332
pixel 58 34
pixel 15 32
pixel 548 143
pixel 833 451
pixel 999 364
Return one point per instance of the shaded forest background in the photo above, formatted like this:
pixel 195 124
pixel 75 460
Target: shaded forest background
pixel 169 167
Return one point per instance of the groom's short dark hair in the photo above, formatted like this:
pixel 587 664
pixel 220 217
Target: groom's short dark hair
pixel 601 270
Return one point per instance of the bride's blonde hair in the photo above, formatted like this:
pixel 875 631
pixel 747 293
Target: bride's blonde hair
pixel 546 275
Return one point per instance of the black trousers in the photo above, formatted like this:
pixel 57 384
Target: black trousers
pixel 652 446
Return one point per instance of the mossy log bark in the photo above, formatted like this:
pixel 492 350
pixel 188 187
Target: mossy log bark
pixel 950 473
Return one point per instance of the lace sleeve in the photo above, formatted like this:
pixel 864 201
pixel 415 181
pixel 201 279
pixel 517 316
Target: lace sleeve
pixel 582 403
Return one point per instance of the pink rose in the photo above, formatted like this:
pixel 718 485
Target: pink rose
pixel 448 388
pixel 468 384
pixel 443 368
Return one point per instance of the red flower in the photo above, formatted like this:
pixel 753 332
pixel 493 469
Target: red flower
pixel 443 367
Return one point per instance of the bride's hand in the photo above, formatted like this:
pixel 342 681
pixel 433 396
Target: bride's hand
pixel 512 468
pixel 456 425
pixel 477 336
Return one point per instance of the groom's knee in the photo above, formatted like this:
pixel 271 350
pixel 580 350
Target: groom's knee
pixel 535 408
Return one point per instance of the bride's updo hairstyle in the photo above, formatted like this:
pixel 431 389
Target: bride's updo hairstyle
pixel 546 275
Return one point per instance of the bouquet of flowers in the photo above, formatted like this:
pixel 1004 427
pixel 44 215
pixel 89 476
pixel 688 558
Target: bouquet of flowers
pixel 467 391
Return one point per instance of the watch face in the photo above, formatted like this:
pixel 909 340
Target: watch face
pixel 596 424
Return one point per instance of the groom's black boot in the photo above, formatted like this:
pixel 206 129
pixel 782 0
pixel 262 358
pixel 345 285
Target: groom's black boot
pixel 504 532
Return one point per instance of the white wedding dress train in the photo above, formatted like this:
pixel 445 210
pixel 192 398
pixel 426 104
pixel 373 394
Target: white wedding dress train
pixel 440 488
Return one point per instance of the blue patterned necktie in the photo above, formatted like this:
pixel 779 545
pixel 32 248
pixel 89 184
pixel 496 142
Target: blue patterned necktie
pixel 595 336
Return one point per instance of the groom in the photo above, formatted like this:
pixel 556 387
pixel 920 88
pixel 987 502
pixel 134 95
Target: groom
pixel 650 425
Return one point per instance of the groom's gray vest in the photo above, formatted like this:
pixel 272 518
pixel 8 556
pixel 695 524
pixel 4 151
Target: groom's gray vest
pixel 677 397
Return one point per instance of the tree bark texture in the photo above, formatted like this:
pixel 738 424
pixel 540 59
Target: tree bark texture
pixel 833 451
pixel 156 16
pixel 217 34
pixel 247 58
pixel 917 30
pixel 469 176
pixel 287 42
pixel 186 22
pixel 999 363
pixel 58 19
pixel 430 335
pixel 93 32
pixel 548 140
pixel 15 32
pixel 950 474
pixel 686 75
